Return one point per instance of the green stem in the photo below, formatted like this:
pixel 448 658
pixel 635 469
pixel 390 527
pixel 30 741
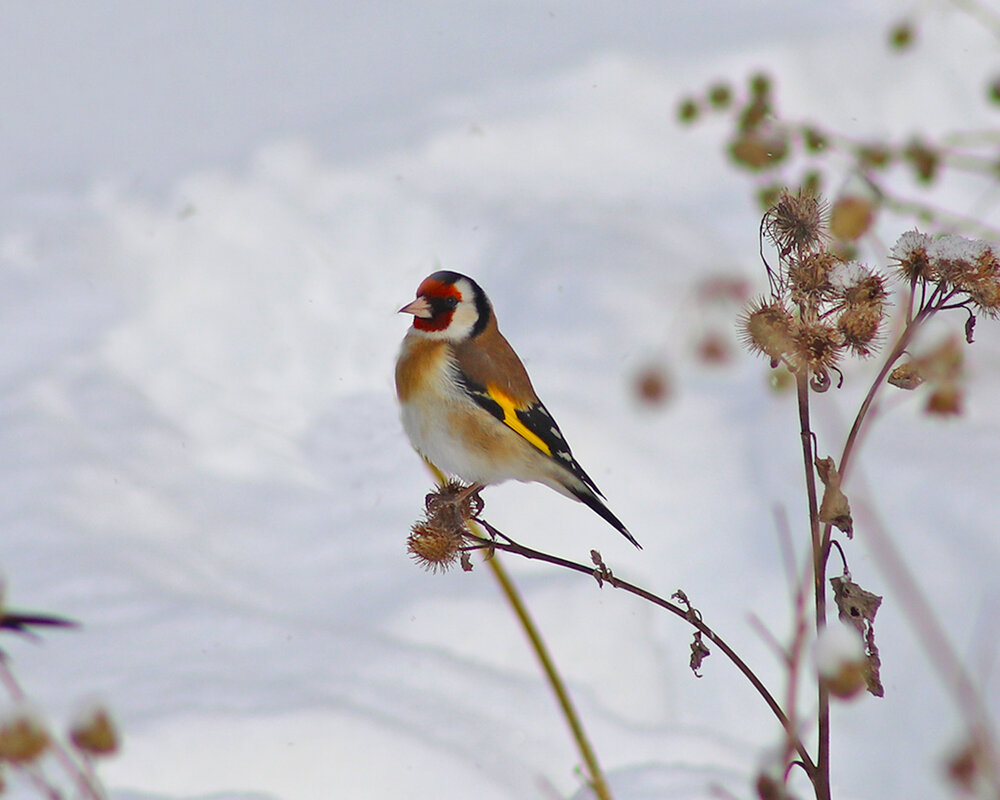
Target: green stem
pixel 597 780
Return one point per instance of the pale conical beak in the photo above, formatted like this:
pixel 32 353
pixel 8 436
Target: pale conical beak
pixel 419 308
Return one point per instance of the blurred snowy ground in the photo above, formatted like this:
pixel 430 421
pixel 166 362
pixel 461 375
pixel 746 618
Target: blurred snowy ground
pixel 209 214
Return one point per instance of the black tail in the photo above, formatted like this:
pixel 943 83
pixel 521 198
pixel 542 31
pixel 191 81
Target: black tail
pixel 588 498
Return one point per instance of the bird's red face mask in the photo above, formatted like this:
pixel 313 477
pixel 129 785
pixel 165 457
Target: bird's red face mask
pixel 434 306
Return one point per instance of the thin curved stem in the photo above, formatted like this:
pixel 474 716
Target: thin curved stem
pixel 508 545
pixel 597 780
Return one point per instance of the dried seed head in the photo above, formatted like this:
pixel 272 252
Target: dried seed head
pixel 23 737
pixel 910 255
pixel 818 346
pixel 859 326
pixel 93 732
pixel 955 260
pixel 858 285
pixel 809 276
pixel 795 223
pixel 851 217
pixel 434 547
pixel 766 327
pixel 984 282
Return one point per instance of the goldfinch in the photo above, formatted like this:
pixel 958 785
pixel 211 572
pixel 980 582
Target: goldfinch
pixel 467 402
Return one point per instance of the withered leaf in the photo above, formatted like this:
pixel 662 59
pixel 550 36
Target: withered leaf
pixel 858 607
pixel 699 651
pixel 834 509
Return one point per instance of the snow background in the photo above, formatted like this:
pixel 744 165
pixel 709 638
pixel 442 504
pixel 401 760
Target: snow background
pixel 209 214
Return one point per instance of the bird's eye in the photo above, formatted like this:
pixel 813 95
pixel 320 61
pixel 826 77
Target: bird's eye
pixel 442 305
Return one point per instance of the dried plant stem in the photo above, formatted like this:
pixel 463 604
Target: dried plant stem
pixel 596 775
pixel 501 541
pixel 905 337
pixel 513 597
pixel 821 775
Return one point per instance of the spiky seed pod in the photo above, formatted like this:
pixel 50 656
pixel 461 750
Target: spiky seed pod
pixel 795 224
pixel 818 346
pixel 984 284
pixel 766 327
pixel 986 297
pixel 859 325
pixel 434 547
pixel 869 290
pixel 910 255
pixel 809 277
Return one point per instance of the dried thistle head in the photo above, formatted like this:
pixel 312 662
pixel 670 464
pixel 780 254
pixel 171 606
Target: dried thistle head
pixel 766 327
pixel 795 223
pixel 436 541
pixel 984 281
pixel 911 257
pixel 433 546
pixel 859 326
pixel 809 277
pixel 956 259
pixel 818 346
pixel 862 296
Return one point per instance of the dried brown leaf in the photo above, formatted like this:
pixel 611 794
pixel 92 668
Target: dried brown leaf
pixel 858 607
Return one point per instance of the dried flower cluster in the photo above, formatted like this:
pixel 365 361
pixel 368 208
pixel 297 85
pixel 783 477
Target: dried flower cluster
pixel 436 542
pixel 820 306
pixel 950 271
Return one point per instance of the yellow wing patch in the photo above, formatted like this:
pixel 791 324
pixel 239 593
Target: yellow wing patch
pixel 512 421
